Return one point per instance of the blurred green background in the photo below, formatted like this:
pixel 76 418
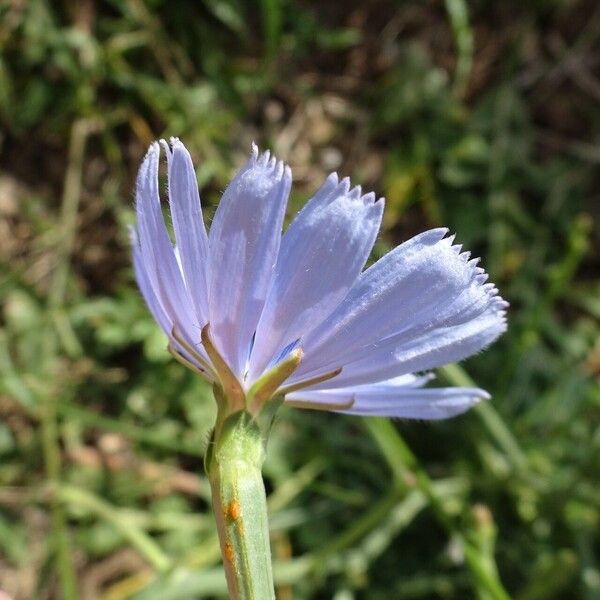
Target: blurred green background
pixel 479 116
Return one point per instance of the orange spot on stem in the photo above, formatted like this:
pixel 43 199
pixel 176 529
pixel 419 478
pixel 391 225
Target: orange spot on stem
pixel 233 510
pixel 228 552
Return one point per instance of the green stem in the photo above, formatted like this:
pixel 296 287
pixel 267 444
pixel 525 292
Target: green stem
pixel 233 462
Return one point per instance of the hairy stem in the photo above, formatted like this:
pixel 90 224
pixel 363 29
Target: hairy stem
pixel 233 463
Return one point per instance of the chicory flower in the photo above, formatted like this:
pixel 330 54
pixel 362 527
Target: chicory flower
pixel 295 316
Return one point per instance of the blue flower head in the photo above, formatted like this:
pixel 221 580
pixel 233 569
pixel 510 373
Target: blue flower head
pixel 261 314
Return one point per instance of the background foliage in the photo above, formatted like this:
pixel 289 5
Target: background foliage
pixel 480 116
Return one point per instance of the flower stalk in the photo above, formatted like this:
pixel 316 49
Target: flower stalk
pixel 234 466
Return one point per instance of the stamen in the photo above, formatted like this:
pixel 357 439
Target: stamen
pixel 308 382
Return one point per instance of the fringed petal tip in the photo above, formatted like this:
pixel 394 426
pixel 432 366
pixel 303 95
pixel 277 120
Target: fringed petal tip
pixel 269 165
pixel 478 277
pixel 336 187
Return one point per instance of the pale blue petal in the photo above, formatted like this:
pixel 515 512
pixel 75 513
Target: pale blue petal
pixel 156 251
pixel 423 286
pixel 397 398
pixel 244 241
pixel 406 353
pixel 156 308
pixel 188 224
pixel 322 254
pixel 141 277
